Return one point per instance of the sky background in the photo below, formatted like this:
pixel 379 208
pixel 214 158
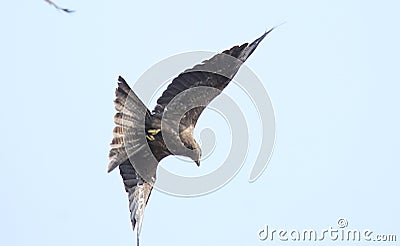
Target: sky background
pixel 332 72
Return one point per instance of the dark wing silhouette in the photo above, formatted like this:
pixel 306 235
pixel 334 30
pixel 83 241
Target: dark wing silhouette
pixel 58 7
pixel 130 151
pixel 138 191
pixel 216 73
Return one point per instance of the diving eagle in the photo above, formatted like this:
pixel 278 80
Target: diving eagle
pixel 143 138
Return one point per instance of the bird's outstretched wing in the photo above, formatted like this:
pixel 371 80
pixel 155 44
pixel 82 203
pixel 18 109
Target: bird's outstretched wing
pixel 138 193
pixel 130 151
pixel 215 73
pixel 58 7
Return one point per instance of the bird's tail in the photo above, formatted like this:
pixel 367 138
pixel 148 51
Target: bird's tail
pixel 130 122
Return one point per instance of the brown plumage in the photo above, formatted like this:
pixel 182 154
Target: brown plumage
pixel 143 138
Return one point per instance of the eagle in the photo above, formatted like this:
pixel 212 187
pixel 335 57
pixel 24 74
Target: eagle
pixel 142 138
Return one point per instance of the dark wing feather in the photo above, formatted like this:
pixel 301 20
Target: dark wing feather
pixel 216 73
pixel 138 191
pixel 58 7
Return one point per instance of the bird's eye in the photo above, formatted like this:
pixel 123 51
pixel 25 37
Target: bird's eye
pixel 188 146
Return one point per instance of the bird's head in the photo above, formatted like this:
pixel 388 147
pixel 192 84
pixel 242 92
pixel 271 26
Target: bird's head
pixel 198 155
pixel 195 152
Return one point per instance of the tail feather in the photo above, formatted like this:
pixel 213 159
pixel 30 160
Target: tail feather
pixel 130 120
pixel 121 106
pixel 118 131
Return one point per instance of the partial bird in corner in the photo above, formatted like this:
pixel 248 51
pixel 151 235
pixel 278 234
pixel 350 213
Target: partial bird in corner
pixel 58 7
pixel 142 138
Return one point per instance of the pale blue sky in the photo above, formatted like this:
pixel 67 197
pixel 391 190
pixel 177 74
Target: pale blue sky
pixel 332 73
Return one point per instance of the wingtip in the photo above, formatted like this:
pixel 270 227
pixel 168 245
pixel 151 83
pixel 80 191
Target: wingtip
pixel 281 24
pixel 111 166
pixel 252 47
pixel 69 11
pixel 121 80
pixel 258 40
pixel 268 31
pixel 108 170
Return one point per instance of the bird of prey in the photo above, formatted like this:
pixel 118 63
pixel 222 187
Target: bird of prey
pixel 142 138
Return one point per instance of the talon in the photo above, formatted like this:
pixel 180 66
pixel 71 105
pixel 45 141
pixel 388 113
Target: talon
pixel 150 138
pixel 153 131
